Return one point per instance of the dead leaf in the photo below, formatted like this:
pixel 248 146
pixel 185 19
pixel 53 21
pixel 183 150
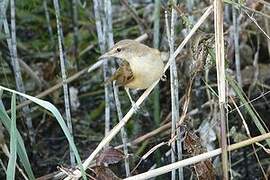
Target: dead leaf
pixel 104 173
pixel 192 144
pixel 110 156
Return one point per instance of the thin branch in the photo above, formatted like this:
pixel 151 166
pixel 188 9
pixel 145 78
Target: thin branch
pixel 140 22
pixel 198 158
pixel 64 76
pixel 256 23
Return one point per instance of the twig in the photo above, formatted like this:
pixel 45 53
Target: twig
pixel 140 22
pixel 144 157
pixel 256 23
pixel 198 158
pixel 6 152
pixel 64 76
pixel 125 119
pixel 32 74
pixel 255 11
pixel 164 127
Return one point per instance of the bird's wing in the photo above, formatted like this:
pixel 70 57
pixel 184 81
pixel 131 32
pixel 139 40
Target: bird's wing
pixel 123 75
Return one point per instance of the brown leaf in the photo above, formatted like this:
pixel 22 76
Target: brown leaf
pixel 204 170
pixel 104 173
pixel 110 156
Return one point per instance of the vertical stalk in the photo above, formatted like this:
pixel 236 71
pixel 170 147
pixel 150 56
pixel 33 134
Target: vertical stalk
pixel 3 9
pixel 47 15
pixel 105 70
pixel 156 92
pixel 75 31
pixel 267 31
pixel 16 67
pixel 190 4
pixel 156 45
pixel 174 89
pixel 220 63
pixel 108 16
pixel 236 47
pixel 64 76
pixel 101 27
pixel 123 131
pixel 174 93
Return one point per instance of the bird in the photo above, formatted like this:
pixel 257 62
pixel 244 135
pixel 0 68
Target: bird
pixel 141 65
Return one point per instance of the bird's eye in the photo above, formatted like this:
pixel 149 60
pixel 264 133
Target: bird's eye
pixel 118 49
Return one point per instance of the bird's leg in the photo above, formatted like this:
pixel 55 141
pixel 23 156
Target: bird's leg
pixel 134 106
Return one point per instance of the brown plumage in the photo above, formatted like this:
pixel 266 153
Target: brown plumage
pixel 123 75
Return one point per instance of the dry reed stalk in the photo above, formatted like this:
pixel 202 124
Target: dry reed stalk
pixel 221 81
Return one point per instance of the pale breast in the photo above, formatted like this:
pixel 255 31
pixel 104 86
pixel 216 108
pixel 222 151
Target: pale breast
pixel 146 71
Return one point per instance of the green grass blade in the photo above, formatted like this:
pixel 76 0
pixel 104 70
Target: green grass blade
pixel 50 107
pixel 21 150
pixel 13 141
pixel 247 106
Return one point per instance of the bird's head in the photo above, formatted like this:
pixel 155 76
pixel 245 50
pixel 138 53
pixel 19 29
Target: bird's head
pixel 126 50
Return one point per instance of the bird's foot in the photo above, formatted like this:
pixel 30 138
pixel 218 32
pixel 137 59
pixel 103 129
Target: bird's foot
pixel 135 107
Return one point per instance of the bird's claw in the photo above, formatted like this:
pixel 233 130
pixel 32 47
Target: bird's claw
pixel 135 107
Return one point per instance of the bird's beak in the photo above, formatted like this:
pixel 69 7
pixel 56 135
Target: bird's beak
pixel 106 55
